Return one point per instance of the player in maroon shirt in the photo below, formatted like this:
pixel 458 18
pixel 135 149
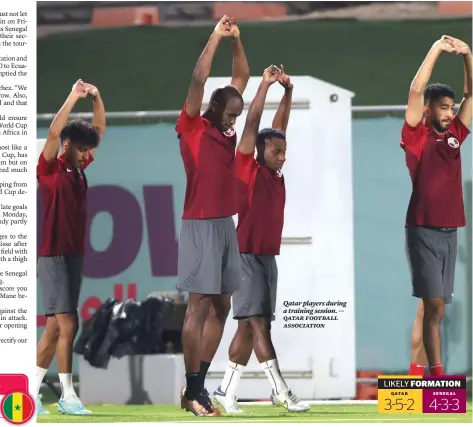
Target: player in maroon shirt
pixel 436 208
pixel 260 225
pixel 63 190
pixel 208 258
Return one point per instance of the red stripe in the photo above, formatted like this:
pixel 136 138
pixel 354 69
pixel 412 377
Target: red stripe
pixel 27 407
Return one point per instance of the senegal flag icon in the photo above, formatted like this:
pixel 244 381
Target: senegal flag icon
pixel 17 408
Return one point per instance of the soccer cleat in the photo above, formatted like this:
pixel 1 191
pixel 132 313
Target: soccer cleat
pixel 39 406
pixel 201 406
pixel 227 402
pixel 289 401
pixel 72 406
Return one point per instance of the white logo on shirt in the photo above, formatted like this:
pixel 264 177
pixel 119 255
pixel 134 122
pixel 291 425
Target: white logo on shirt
pixel 69 170
pixel 230 132
pixel 453 142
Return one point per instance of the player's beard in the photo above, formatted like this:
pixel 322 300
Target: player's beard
pixel 438 126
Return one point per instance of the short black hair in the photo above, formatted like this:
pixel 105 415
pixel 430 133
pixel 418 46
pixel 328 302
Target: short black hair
pixel 80 132
pixel 221 95
pixel 436 91
pixel 267 133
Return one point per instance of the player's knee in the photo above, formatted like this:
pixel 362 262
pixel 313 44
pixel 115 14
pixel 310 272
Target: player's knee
pixel 420 310
pixel 68 325
pixel 197 310
pixel 245 329
pixel 434 309
pixel 52 329
pixel 260 326
pixel 221 306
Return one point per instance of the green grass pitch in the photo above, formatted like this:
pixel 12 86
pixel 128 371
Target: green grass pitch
pixel 320 413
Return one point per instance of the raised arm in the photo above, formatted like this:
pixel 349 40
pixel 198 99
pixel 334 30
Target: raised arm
pixel 240 70
pixel 99 118
pixel 203 66
pixel 465 110
pixel 281 118
pixel 51 146
pixel 250 132
pixel 415 103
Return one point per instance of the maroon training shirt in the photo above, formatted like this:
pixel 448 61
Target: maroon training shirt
pixel 434 164
pixel 209 162
pixel 261 213
pixel 64 195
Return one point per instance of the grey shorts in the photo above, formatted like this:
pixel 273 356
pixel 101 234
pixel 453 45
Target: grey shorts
pixel 257 294
pixel 60 279
pixel 208 256
pixel 432 255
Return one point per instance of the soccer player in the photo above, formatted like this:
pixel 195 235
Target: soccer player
pixel 208 258
pixel 259 230
pixel 63 188
pixel 432 150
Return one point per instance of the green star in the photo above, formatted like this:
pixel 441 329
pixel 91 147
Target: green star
pixel 17 407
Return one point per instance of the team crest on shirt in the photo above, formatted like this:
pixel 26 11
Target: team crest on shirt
pixel 279 173
pixel 453 142
pixel 230 132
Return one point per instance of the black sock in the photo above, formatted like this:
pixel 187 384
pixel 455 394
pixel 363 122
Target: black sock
pixel 192 385
pixel 204 368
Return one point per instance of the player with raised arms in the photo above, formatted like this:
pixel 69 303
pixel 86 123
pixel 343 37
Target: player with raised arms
pixel 63 191
pixel 436 210
pixel 259 230
pixel 208 258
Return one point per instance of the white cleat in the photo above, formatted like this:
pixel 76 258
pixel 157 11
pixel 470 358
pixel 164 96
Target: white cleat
pixel 289 401
pixel 227 402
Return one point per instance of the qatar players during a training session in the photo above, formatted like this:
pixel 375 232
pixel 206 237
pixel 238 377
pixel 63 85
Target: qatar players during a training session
pixel 63 191
pixel 208 258
pixel 436 208
pixel 259 230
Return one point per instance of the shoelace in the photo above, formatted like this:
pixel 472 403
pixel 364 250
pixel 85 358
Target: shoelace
pixel 292 397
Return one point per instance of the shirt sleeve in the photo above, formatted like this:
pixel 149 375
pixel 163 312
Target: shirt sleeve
pixel 88 161
pixel 412 137
pixel 245 166
pixel 187 124
pixel 44 167
pixel 458 129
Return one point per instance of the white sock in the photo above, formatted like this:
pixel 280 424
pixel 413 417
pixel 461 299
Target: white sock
pixel 40 373
pixel 231 379
pixel 66 386
pixel 271 369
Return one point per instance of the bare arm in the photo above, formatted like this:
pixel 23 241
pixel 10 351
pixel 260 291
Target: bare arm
pixel 281 118
pixel 51 146
pixel 415 103
pixel 240 70
pixel 203 67
pixel 99 119
pixel 465 110
pixel 250 131
pixel 200 76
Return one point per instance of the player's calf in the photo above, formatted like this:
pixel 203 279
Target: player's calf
pixel 434 310
pixel 418 356
pixel 240 351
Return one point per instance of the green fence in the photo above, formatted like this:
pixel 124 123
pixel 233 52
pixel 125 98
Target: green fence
pixel 149 68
